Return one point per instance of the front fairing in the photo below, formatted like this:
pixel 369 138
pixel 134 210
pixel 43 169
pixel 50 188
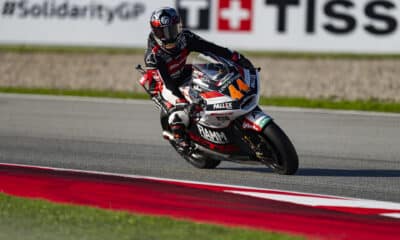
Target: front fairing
pixel 227 91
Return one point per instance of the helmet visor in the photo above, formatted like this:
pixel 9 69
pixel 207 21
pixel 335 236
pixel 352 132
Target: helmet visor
pixel 168 34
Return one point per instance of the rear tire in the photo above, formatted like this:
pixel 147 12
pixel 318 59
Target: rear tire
pixel 286 159
pixel 201 162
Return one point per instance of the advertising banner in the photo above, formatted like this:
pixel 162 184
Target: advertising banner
pixel 120 23
pixel 358 26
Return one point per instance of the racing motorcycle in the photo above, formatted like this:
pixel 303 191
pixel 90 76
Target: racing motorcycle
pixel 226 123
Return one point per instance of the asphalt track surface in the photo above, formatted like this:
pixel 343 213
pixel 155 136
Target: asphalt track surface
pixel 341 153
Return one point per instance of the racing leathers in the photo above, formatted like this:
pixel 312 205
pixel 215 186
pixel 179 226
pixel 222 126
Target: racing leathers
pixel 167 69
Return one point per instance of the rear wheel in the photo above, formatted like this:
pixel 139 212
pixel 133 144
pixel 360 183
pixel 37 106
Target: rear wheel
pixel 284 159
pixel 197 160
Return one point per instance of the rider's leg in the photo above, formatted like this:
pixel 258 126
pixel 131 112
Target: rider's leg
pixel 179 121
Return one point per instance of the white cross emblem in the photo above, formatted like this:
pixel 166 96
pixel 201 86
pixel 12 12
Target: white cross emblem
pixel 235 14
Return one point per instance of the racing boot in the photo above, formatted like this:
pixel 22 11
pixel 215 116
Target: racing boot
pixel 180 138
pixel 178 129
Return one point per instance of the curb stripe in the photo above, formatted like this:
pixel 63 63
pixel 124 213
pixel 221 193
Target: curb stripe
pixel 212 203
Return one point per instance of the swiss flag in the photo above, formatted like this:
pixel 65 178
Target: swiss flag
pixel 235 15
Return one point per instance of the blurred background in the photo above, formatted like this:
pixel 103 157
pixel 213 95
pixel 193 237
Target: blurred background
pixel 313 49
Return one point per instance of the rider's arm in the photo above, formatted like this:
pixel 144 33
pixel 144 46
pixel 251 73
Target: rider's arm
pixel 158 75
pixel 169 83
pixel 154 85
pixel 198 44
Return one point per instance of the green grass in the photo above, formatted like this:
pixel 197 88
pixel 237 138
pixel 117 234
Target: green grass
pixel 37 219
pixel 79 92
pixel 126 50
pixel 360 105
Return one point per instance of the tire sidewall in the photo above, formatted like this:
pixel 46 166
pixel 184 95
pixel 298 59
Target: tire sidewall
pixel 283 148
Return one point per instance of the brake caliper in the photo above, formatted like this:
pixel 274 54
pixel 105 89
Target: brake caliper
pixel 259 147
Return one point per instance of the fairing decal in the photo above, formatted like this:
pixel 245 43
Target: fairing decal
pixel 212 94
pixel 256 120
pixel 214 136
pixel 222 148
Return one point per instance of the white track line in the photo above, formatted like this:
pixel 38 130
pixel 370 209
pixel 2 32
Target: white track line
pixel 148 102
pixel 326 202
pixel 392 215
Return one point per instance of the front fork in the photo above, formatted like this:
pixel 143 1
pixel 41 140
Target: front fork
pixel 252 127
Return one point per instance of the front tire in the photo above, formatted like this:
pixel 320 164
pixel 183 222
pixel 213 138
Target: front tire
pixel 286 161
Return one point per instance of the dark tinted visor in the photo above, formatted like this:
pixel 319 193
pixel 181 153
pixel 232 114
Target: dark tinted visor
pixel 168 33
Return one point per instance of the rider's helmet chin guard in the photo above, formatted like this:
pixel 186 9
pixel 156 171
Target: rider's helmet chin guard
pixel 166 27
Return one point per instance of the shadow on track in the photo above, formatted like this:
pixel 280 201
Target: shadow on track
pixel 348 172
pixel 325 172
pixel 247 169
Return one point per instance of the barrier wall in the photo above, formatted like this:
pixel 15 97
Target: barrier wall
pixel 364 26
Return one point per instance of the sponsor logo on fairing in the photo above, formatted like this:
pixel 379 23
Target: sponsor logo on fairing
pixel 256 120
pixel 222 118
pixel 250 125
pixel 212 135
pixel 223 106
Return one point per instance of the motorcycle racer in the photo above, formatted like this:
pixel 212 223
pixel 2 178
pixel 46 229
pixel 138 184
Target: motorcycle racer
pixel 165 59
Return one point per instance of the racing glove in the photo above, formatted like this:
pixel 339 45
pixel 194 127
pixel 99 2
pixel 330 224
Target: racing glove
pixel 241 60
pixel 151 82
pixel 154 86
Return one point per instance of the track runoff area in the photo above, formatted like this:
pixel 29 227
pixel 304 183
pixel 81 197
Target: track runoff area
pixel 311 215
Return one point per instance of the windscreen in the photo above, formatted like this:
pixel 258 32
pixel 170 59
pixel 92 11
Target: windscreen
pixel 213 67
pixel 212 71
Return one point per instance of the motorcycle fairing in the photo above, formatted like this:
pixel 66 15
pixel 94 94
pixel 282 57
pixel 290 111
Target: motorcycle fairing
pixel 217 136
pixel 256 120
pixel 220 140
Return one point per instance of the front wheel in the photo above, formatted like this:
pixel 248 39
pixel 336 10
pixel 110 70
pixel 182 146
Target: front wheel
pixel 284 160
